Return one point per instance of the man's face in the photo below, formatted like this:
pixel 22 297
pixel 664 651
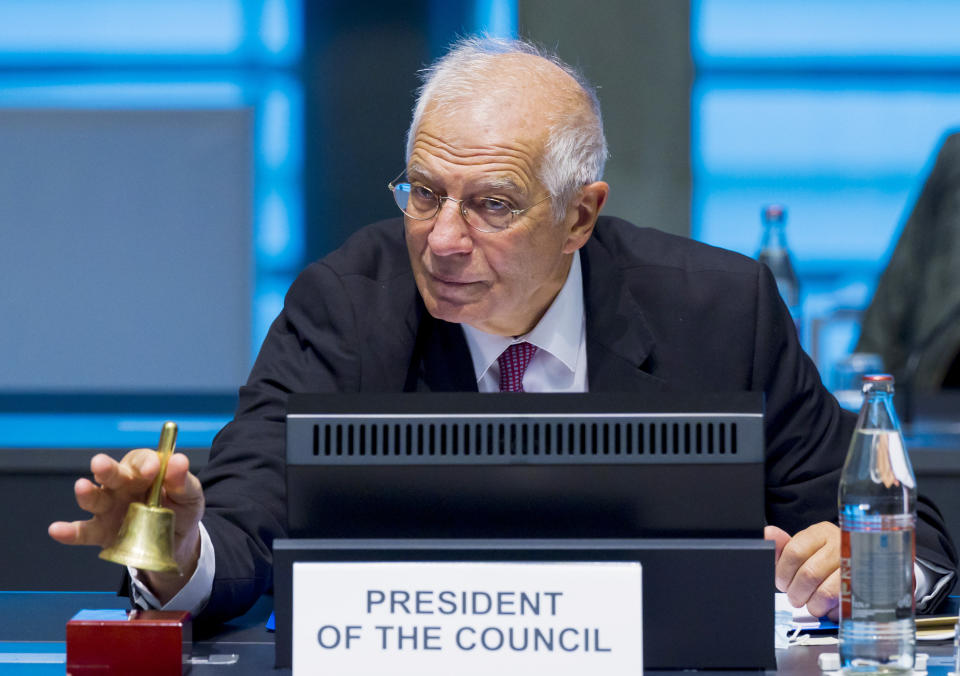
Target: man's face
pixel 499 282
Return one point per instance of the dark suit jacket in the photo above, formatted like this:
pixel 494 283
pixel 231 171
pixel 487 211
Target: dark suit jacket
pixel 660 310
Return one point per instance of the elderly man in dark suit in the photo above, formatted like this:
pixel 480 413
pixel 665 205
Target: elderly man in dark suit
pixel 502 275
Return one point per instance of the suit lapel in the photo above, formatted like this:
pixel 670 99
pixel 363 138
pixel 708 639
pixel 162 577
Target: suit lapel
pixel 620 344
pixel 441 359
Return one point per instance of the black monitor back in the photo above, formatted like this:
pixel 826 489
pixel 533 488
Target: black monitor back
pixel 470 465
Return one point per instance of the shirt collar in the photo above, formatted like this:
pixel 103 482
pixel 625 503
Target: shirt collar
pixel 557 332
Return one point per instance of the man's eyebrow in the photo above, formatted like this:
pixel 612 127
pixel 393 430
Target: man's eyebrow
pixel 420 172
pixel 502 183
pixel 417 171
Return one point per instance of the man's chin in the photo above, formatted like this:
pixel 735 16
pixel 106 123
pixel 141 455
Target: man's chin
pixel 455 312
pixel 473 314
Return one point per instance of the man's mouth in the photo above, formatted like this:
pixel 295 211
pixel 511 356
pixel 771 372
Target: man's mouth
pixel 450 279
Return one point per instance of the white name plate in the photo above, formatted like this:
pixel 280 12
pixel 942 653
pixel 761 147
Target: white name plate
pixel 467 618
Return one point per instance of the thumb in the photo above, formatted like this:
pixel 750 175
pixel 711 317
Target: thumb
pixel 780 539
pixel 182 489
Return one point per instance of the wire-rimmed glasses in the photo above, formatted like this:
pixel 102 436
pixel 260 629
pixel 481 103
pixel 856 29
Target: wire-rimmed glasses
pixel 486 214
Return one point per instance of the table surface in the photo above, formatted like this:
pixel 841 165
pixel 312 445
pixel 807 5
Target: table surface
pixel 34 623
pixel 34 628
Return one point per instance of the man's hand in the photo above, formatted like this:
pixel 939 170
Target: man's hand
pixel 808 567
pixel 120 483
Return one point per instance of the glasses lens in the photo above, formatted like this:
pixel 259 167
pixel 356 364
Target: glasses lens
pixel 488 214
pixel 415 200
pixel 401 193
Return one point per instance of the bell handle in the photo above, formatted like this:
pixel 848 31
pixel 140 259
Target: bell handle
pixel 168 439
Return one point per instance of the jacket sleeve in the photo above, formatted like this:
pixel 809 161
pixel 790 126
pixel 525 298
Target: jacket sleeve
pixel 309 348
pixel 808 434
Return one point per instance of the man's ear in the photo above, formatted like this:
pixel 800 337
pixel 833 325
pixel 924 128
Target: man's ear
pixel 582 215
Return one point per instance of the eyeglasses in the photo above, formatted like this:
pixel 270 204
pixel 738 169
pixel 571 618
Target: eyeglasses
pixel 486 214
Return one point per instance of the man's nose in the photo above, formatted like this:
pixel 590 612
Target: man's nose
pixel 450 233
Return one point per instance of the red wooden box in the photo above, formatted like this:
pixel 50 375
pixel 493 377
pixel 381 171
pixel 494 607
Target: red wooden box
pixel 148 643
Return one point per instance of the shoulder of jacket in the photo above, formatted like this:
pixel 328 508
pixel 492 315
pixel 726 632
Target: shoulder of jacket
pixel 631 246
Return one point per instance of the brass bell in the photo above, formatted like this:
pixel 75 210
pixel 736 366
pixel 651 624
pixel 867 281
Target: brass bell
pixel 145 540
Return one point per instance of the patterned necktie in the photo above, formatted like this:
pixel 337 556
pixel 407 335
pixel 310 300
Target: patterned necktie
pixel 513 362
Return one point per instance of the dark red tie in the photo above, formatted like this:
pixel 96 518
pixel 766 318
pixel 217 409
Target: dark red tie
pixel 513 363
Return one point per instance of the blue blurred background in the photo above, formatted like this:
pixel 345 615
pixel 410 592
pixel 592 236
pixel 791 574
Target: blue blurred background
pixel 167 167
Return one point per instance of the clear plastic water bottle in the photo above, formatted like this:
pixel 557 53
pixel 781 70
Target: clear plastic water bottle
pixel 878 514
pixel 774 252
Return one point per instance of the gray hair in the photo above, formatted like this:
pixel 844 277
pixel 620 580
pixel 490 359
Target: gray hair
pixel 576 149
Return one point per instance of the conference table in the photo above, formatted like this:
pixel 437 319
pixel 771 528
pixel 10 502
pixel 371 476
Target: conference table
pixel 32 639
pixel 33 624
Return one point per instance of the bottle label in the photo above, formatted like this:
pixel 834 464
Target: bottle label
pixel 876 567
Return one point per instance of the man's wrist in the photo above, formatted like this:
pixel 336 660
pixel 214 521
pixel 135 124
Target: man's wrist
pixel 196 590
pixel 165 586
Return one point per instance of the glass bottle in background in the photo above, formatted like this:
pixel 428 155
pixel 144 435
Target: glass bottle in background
pixel 956 650
pixel 774 252
pixel 878 513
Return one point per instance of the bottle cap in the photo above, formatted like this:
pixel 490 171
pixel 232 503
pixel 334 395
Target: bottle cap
pixel 774 213
pixel 877 382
